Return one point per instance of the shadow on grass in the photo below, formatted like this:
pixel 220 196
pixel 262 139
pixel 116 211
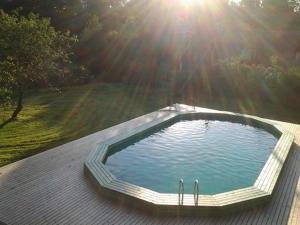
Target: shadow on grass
pixel 5 123
pixel 51 118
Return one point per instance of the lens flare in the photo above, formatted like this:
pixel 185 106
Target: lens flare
pixel 190 3
pixel 186 2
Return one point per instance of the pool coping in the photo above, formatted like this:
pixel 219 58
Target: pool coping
pixel 261 190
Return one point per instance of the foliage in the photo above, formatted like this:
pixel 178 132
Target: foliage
pixel 267 82
pixel 295 4
pixel 117 37
pixel 7 81
pixel 65 14
pixel 92 27
pixel 32 53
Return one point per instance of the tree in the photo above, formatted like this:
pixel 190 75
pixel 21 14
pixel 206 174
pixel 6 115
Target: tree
pixel 64 14
pixel 277 6
pixel 31 53
pixel 295 4
pixel 251 4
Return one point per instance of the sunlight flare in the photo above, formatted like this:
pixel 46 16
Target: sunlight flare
pixel 190 3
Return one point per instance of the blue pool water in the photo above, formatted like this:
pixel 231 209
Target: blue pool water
pixel 223 156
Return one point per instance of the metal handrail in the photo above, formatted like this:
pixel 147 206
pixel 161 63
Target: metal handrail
pixel 196 191
pixel 180 191
pixel 175 107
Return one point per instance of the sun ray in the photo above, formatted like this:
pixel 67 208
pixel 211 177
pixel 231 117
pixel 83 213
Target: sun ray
pixel 190 3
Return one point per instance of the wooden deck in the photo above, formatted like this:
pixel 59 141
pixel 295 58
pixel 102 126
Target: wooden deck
pixel 51 188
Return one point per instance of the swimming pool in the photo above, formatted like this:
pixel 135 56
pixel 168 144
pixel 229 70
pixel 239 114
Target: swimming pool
pixel 221 155
pixel 236 158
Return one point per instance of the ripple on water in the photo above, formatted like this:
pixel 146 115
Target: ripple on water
pixel 223 156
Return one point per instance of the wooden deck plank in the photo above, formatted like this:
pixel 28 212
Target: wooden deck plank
pixel 294 216
pixel 51 188
pixel 283 215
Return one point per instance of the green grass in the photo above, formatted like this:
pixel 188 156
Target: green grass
pixel 51 118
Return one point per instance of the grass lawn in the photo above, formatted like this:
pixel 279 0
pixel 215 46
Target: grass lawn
pixel 51 118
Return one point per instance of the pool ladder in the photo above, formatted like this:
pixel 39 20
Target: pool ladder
pixel 181 191
pixel 196 191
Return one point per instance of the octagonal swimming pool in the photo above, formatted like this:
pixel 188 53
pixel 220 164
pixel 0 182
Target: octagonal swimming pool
pixel 222 155
pixel 236 158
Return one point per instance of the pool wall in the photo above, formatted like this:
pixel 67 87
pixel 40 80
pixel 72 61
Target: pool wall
pixel 259 193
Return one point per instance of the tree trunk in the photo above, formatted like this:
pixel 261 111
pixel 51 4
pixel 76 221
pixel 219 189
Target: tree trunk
pixel 19 103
